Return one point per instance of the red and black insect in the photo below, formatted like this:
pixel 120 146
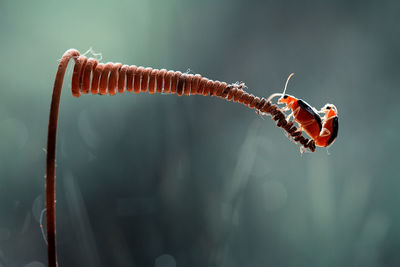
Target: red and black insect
pixel 330 126
pixel 322 131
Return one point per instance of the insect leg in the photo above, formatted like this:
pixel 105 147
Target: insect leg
pixel 289 116
pixel 325 132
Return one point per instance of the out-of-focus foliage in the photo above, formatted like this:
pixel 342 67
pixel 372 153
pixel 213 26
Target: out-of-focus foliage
pixel 157 180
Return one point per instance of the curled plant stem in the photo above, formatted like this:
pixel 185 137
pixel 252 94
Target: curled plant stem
pixel 91 76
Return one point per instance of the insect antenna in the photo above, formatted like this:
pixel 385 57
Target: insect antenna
pixel 284 90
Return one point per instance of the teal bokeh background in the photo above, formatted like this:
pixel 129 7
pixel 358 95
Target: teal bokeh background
pixel 158 180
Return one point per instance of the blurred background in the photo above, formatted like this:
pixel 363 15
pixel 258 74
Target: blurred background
pixel 164 181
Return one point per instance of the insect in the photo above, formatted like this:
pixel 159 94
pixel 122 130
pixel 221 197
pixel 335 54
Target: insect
pixel 303 113
pixel 322 131
pixel 330 126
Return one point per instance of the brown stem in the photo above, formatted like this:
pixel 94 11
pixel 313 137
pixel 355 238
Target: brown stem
pixel 51 158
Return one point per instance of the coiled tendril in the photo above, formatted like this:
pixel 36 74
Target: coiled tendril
pixel 90 76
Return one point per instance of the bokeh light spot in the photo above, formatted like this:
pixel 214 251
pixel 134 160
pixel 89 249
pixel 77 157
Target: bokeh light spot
pixel 165 261
pixel 87 130
pixel 275 195
pixel 14 133
pixel 4 234
pixel 35 264
pixel 37 207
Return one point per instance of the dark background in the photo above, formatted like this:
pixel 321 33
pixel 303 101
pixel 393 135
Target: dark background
pixel 161 180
